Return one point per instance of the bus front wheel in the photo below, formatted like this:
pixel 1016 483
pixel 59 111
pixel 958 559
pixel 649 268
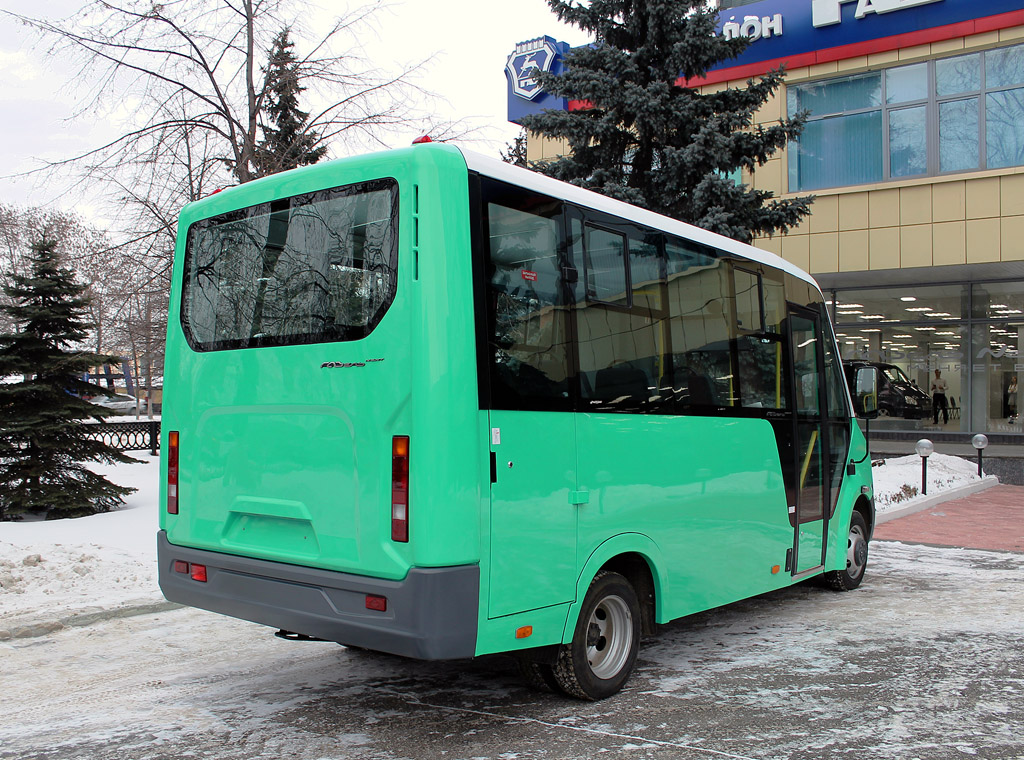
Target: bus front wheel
pixel 856 557
pixel 599 660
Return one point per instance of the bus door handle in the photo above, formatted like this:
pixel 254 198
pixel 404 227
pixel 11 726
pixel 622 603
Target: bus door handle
pixel 577 498
pixel 494 467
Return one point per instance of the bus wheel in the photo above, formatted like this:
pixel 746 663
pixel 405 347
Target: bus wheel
pixel 539 676
pixel 599 659
pixel 856 557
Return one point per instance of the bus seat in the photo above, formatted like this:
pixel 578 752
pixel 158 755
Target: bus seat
pixel 702 393
pixel 615 382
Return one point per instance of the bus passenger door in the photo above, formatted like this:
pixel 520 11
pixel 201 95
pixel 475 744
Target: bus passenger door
pixel 531 424
pixel 533 521
pixel 812 483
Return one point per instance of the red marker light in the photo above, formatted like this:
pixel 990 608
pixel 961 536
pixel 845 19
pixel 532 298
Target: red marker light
pixel 400 488
pixel 376 603
pixel 421 140
pixel 180 566
pixel 172 472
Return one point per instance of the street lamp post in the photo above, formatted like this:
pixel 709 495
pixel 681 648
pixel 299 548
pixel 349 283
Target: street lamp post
pixel 924 449
pixel 980 441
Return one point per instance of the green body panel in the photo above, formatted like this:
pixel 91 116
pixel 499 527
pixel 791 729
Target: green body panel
pixel 708 491
pixel 283 459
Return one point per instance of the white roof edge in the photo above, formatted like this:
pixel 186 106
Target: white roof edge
pixel 517 175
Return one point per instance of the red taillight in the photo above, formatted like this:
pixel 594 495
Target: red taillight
pixel 400 488
pixel 172 472
pixel 198 572
pixel 376 603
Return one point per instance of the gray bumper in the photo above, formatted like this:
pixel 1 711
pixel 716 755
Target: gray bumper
pixel 431 614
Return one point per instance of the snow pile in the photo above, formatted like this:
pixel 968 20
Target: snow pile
pixel 54 570
pixel 898 481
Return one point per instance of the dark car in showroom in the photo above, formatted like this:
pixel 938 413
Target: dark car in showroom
pixel 897 395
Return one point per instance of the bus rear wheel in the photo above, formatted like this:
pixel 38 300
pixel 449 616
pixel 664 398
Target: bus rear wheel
pixel 856 557
pixel 539 676
pixel 599 660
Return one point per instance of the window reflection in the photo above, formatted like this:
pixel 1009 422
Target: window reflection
pixel 956 75
pixel 958 135
pixel 908 146
pixel 1004 124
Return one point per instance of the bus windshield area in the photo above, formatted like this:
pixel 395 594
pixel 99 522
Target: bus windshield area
pixel 312 268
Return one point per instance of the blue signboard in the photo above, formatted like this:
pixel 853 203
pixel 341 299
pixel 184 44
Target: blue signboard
pixel 786 30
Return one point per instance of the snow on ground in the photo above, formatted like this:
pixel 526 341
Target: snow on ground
pixel 898 481
pixel 54 570
pixel 51 570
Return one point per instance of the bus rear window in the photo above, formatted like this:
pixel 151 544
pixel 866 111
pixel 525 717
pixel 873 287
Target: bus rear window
pixel 312 268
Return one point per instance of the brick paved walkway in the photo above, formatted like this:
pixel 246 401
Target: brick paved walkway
pixel 992 519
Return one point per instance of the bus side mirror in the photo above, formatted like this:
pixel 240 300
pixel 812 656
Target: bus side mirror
pixel 865 392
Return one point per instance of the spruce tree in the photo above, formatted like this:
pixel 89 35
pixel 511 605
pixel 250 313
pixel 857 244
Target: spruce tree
pixel 515 151
pixel 43 439
pixel 292 143
pixel 647 138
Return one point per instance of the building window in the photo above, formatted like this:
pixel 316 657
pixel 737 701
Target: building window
pixel 972 333
pixel 963 113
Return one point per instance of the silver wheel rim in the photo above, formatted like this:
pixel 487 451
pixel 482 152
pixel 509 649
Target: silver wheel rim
pixel 609 637
pixel 856 552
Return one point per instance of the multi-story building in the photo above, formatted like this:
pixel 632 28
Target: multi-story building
pixel 914 150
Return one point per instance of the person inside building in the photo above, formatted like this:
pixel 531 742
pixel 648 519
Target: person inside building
pixel 939 387
pixel 1011 400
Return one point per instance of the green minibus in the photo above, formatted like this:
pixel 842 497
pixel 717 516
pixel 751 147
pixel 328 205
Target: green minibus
pixel 428 403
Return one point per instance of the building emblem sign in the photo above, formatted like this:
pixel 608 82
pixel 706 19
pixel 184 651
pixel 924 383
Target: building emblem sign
pixel 532 55
pixel 828 12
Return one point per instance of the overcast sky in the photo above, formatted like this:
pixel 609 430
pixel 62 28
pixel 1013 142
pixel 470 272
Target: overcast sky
pixel 471 40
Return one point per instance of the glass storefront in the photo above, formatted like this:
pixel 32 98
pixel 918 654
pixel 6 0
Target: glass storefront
pixel 971 333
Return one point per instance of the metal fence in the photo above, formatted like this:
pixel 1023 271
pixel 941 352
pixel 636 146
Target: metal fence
pixel 134 435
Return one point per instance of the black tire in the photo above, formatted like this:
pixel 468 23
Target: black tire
pixel 599 660
pixel 539 676
pixel 856 557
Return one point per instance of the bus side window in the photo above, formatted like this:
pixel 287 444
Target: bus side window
pixel 700 327
pixel 528 338
pixel 619 324
pixel 759 347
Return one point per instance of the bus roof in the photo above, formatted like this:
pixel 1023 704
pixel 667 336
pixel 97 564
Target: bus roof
pixel 516 175
pixel 500 170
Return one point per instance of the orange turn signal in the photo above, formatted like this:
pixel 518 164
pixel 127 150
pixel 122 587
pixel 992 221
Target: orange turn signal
pixel 525 632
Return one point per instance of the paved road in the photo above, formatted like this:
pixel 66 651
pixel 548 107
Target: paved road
pixel 924 661
pixel 990 519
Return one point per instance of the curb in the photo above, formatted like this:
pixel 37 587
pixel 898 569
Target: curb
pixel 82 619
pixel 927 502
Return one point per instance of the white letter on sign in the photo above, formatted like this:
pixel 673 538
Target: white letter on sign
pixel 826 12
pixel 772 25
pixel 751 27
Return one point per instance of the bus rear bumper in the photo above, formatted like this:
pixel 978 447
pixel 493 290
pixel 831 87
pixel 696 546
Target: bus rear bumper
pixel 431 614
